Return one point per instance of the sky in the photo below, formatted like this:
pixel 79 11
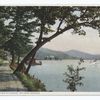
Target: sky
pixel 89 43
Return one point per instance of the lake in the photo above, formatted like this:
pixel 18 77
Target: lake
pixel 51 74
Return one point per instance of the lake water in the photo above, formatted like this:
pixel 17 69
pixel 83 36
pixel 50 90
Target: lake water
pixel 51 74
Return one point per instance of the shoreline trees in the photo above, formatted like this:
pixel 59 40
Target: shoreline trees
pixel 46 23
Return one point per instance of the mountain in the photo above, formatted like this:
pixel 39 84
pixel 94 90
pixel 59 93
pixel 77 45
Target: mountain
pixel 79 54
pixel 44 52
pixel 71 54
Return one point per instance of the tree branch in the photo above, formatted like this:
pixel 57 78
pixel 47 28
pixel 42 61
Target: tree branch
pixel 89 24
pixel 57 33
pixel 41 33
pixel 83 14
pixel 60 24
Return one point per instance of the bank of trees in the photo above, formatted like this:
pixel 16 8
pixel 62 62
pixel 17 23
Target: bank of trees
pixel 19 24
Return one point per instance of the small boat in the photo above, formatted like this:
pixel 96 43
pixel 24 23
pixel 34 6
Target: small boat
pixel 93 62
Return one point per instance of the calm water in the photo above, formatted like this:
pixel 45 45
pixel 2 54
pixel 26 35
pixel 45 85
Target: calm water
pixel 51 74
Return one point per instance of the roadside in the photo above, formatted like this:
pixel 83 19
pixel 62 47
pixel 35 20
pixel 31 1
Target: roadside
pixel 8 81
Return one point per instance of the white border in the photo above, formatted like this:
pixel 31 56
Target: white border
pixel 49 2
pixel 49 93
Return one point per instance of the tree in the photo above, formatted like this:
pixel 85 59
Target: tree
pixel 73 77
pixel 20 31
pixel 4 31
pixel 54 21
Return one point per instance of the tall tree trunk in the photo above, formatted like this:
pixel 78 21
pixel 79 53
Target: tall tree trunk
pixel 27 57
pixel 12 60
pixel 18 60
pixel 30 63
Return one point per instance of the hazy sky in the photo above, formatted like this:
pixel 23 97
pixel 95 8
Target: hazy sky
pixel 89 43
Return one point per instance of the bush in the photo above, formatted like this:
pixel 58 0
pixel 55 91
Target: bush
pixel 73 77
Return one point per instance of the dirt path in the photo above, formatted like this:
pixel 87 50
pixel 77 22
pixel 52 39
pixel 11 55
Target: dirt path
pixel 8 81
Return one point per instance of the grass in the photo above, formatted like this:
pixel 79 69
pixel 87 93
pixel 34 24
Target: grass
pixel 30 82
pixel 1 62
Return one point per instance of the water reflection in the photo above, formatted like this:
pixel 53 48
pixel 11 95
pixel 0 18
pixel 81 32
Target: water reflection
pixel 73 77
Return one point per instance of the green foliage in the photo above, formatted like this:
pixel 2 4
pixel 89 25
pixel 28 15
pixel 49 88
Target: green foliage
pixel 19 42
pixel 50 22
pixel 32 83
pixel 3 54
pixel 77 17
pixel 73 77
pixel 19 24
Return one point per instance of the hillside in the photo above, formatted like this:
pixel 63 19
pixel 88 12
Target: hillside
pixel 71 54
pixel 44 52
pixel 79 54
